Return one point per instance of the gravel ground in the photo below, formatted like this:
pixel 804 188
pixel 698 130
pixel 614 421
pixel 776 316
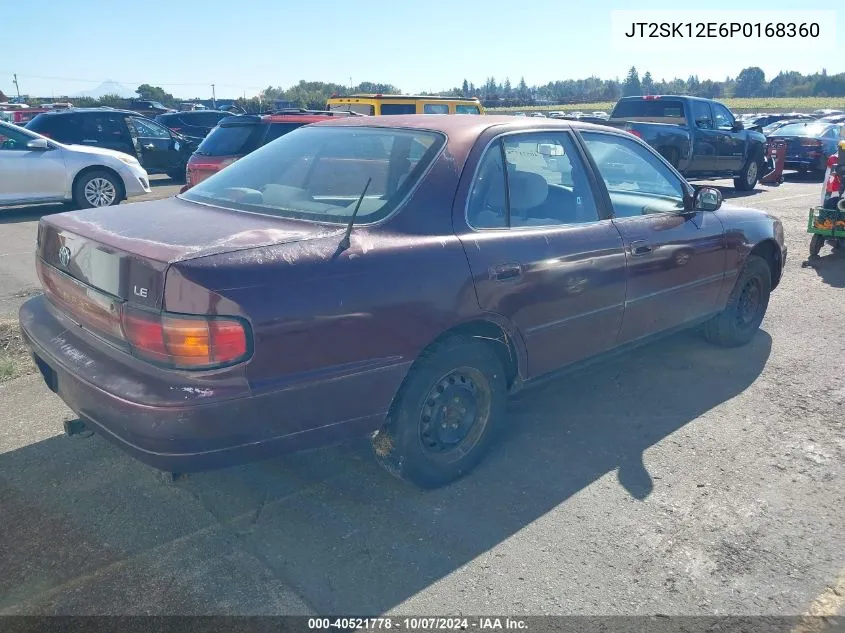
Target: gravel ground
pixel 681 479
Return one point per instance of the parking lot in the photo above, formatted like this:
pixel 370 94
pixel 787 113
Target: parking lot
pixel 680 479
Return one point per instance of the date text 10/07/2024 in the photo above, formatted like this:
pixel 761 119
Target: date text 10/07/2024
pixel 419 624
pixel 693 30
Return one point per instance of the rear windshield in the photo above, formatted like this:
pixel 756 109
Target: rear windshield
pixel 802 129
pixel 360 108
pixel 319 173
pixel 230 140
pixel 649 108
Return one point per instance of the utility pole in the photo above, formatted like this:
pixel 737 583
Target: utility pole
pixel 213 98
pixel 17 87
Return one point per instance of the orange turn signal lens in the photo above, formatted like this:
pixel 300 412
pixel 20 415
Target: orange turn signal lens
pixel 190 342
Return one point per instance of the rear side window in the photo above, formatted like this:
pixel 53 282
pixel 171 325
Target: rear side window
pixel 279 129
pixel 467 109
pixel 701 115
pixel 232 140
pixel 398 108
pixel 649 108
pixel 103 127
pixel 436 108
pixel 64 129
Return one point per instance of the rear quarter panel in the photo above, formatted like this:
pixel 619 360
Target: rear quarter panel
pixel 319 316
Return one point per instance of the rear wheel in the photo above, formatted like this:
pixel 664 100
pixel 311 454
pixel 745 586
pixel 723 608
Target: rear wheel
pixel 97 188
pixel 445 415
pixel 749 175
pixel 670 154
pixel 738 323
pixel 816 243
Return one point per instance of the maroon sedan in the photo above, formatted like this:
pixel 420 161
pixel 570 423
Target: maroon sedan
pixel 396 276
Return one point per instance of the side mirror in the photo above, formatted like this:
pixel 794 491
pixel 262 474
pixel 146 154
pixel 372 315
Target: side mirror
pixel 737 126
pixel 707 199
pixel 38 144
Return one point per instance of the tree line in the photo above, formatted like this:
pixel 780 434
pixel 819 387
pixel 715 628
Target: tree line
pixel 750 82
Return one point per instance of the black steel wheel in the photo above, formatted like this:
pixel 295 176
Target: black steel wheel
pixel 738 323
pixel 445 415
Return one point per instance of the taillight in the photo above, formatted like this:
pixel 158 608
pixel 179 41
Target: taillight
pixel 651 97
pixel 832 160
pixel 636 133
pixel 174 340
pixel 186 342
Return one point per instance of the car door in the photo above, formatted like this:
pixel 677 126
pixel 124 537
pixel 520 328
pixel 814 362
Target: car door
pixel 107 130
pixel 28 175
pixel 159 150
pixel 705 146
pixel 731 141
pixel 676 262
pixel 542 253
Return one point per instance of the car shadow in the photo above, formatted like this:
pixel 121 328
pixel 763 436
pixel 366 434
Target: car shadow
pixel 830 267
pixel 344 534
pixel 164 181
pixel 30 213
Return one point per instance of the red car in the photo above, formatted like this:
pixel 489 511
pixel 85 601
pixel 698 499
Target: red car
pixel 236 136
pixel 392 276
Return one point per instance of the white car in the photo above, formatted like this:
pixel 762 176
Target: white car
pixel 35 169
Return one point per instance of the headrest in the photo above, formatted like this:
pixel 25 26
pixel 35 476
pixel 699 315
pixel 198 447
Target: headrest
pixel 526 190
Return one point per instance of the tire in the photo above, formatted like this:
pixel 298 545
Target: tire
pixel 416 444
pixel 816 244
pixel 737 324
pixel 671 155
pixel 177 175
pixel 97 188
pixel 750 174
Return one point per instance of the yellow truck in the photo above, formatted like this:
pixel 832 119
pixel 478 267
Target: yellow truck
pixel 378 104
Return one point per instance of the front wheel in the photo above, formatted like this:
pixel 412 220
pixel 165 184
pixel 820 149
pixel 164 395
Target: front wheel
pixel 445 415
pixel 749 175
pixel 97 189
pixel 738 323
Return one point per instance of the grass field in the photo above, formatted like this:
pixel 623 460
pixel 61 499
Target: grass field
pixel 797 104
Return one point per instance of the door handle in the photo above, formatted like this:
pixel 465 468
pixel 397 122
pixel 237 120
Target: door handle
pixel 640 247
pixel 506 272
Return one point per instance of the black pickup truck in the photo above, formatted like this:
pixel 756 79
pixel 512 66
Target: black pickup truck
pixel 701 138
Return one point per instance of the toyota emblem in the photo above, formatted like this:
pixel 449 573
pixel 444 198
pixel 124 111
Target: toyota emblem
pixel 64 256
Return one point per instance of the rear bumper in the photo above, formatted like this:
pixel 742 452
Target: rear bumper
pixel 816 163
pixel 170 421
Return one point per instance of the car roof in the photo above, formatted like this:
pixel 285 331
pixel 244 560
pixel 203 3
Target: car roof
pixel 278 117
pixel 90 111
pixel 463 130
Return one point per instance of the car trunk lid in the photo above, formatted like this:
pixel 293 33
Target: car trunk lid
pixel 793 144
pixel 124 252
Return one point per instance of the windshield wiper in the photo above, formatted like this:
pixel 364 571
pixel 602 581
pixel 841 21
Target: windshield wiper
pixel 344 243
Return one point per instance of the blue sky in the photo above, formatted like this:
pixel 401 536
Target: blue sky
pixel 184 46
